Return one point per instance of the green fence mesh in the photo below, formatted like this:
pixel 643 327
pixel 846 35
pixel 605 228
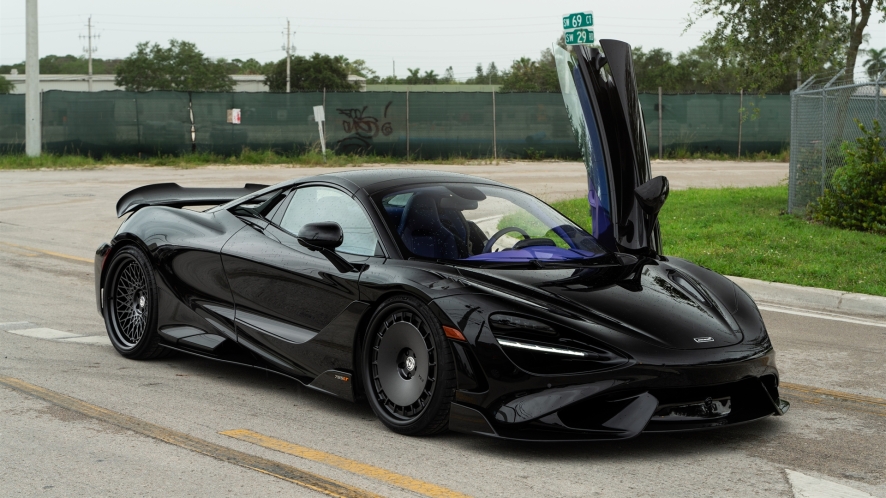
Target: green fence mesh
pixel 710 122
pixel 101 123
pixel 426 124
pixel 12 124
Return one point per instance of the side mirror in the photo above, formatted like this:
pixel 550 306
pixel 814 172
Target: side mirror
pixel 323 235
pixel 652 195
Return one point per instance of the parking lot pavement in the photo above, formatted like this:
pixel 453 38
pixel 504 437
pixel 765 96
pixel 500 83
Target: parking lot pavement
pixel 136 428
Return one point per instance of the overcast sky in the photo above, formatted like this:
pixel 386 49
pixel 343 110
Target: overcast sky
pixel 457 33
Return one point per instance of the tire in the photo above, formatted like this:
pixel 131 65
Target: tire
pixel 410 397
pixel 130 305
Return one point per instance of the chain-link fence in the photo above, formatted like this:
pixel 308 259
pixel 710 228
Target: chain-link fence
pixel 823 114
pixel 421 124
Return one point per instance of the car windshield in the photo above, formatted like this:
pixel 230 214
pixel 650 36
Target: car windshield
pixel 483 224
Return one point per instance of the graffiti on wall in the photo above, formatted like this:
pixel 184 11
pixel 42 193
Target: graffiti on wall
pixel 362 129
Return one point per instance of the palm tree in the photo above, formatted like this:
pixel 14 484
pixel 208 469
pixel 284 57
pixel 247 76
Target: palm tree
pixel 876 62
pixel 430 78
pixel 414 77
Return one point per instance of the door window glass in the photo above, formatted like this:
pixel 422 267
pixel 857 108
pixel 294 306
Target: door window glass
pixel 318 204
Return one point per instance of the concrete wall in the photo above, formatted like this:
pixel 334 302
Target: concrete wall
pixel 433 88
pixel 105 82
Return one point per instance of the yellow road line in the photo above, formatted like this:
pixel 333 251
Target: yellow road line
pixel 353 466
pixel 834 394
pixel 49 253
pixel 818 400
pixel 270 467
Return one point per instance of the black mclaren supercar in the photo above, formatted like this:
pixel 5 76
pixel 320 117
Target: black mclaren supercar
pixel 453 302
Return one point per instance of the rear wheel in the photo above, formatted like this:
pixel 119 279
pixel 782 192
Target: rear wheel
pixel 408 372
pixel 130 305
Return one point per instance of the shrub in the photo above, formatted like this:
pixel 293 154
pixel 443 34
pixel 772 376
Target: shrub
pixel 857 199
pixel 533 154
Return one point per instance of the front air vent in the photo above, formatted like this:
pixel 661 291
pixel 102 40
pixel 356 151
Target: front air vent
pixel 690 287
pixel 505 324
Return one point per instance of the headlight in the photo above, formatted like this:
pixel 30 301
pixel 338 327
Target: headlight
pixel 541 349
pixel 544 348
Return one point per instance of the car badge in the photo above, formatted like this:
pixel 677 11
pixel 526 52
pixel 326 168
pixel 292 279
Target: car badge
pixel 704 339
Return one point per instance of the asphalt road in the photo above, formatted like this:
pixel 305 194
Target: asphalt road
pixel 50 222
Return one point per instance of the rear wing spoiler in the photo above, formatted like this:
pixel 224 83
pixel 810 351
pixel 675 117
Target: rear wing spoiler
pixel 174 195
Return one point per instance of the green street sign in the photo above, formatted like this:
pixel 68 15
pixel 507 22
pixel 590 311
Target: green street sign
pixel 578 20
pixel 579 37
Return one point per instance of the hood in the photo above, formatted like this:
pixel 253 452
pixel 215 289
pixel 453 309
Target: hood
pixel 650 300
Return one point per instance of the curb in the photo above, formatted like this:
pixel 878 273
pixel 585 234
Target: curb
pixel 813 298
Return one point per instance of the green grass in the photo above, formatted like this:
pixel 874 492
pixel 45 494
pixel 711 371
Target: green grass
pixel 745 232
pixel 684 152
pixel 246 157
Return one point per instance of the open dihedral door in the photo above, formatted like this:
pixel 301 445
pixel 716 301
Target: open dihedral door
pixel 600 93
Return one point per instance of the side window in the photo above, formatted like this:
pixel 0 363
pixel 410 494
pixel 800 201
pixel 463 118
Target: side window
pixel 315 204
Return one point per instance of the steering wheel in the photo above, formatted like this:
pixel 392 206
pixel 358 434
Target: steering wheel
pixel 497 235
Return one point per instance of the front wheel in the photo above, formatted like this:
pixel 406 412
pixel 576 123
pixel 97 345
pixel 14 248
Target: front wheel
pixel 407 368
pixel 130 305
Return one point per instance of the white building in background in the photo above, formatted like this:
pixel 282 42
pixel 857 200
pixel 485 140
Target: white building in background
pixel 105 82
pixel 357 80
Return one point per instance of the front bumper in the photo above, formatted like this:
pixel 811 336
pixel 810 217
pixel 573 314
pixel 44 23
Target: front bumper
pixel 625 403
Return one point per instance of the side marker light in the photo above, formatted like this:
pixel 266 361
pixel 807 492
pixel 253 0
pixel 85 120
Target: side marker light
pixel 454 333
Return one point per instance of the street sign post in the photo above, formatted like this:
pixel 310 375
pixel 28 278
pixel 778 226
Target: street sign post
pixel 320 118
pixel 578 28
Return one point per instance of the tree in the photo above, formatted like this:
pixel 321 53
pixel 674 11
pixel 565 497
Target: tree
pixel 766 38
pixel 448 76
pixel 527 75
pixel 180 67
pixel 414 77
pixel 358 67
pixel 5 85
pixel 490 77
pixel 67 64
pixel 311 74
pixel 654 69
pixel 249 66
pixel 876 62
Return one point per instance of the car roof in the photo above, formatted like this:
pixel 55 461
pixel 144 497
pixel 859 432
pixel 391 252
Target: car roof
pixel 377 179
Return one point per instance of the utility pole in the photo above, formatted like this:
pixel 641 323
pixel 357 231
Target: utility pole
pixel 33 140
pixel 288 57
pixel 89 36
pixel 89 51
pixel 289 51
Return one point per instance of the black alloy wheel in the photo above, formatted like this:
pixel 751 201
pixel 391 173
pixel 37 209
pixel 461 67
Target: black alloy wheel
pixel 408 371
pixel 130 305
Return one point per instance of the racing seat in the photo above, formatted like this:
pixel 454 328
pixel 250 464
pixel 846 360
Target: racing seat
pixel 423 233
